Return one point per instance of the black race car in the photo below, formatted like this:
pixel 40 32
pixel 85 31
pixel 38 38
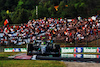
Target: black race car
pixel 43 48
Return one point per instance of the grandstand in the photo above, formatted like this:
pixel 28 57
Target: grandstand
pixel 77 32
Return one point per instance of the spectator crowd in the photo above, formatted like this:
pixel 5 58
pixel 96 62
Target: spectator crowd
pixel 52 29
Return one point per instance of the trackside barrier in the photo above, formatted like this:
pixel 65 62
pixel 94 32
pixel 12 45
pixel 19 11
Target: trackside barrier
pixel 63 50
pixel 80 50
pixel 79 56
pixel 15 49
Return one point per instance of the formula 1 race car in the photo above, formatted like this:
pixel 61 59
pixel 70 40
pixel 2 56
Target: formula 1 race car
pixel 43 49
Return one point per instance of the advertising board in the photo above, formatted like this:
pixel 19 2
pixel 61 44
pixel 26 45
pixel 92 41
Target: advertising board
pixel 90 49
pixel 15 49
pixel 80 50
pixel 79 56
pixel 67 49
pixel 63 50
pixel 8 49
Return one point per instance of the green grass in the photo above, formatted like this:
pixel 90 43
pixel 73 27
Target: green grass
pixel 4 55
pixel 30 63
pixel 5 62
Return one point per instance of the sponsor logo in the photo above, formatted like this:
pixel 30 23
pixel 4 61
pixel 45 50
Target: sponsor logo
pixel 98 50
pixel 8 49
pixel 23 49
pixel 16 50
pixel 78 55
pixel 98 56
pixel 79 49
pixel 89 56
pixel 67 55
pixel 74 50
pixel 90 49
pixel 67 50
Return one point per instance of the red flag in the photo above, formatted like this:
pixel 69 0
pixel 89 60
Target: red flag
pixel 6 22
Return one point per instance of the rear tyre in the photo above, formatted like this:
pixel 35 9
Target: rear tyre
pixel 57 51
pixel 29 49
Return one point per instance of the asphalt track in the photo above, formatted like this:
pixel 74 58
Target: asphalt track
pixel 23 56
pixel 81 64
